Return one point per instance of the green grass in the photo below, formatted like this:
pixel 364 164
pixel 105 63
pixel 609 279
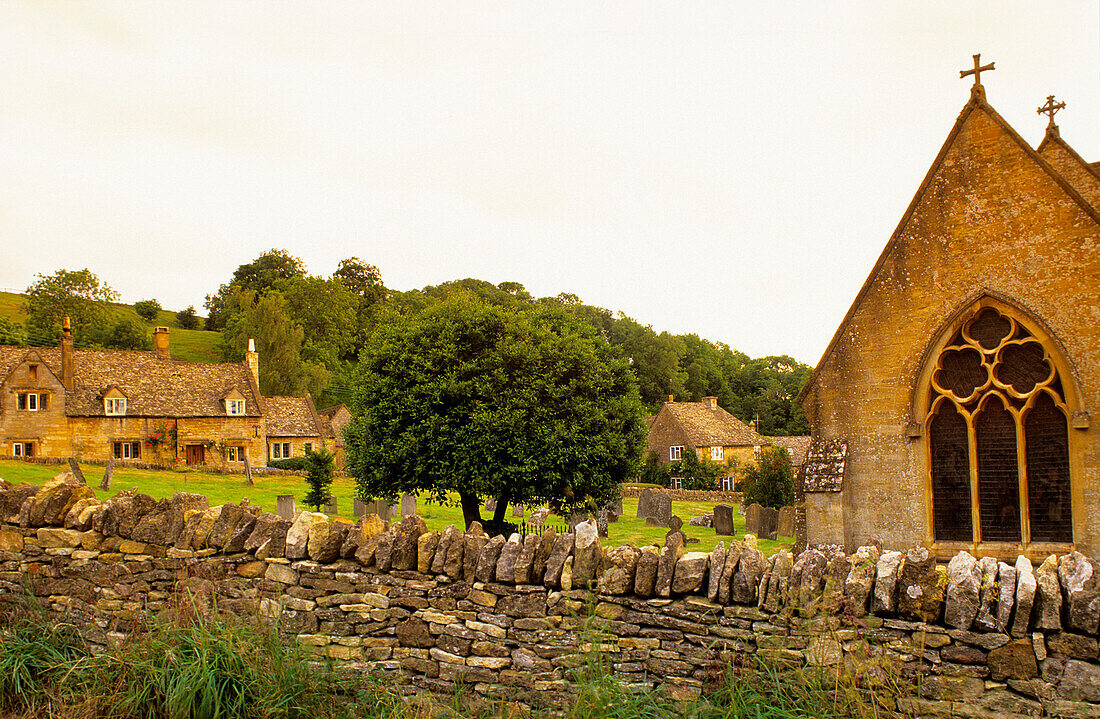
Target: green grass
pixel 189 345
pixel 231 488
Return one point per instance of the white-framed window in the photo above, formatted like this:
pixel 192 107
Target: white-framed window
pixel 716 454
pixel 234 406
pixel 280 450
pixel 675 454
pixel 756 452
pixel 234 454
pixel 32 401
pixel 127 450
pixel 726 484
pixel 676 483
pixel 22 449
pixel 114 406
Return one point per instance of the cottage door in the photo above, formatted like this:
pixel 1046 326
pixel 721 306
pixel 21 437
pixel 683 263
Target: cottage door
pixel 196 454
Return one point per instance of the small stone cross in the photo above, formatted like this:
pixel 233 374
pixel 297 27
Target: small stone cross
pixel 1050 108
pixel 977 70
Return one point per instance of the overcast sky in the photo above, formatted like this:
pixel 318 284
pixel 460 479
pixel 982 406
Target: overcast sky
pixel 730 168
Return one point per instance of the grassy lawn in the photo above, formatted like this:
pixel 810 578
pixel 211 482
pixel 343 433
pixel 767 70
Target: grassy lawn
pixel 231 488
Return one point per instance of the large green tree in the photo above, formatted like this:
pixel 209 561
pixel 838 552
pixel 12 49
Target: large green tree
pixel 260 276
pixel 76 294
pixel 526 404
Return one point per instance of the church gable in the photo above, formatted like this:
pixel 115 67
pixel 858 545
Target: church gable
pixel 1070 165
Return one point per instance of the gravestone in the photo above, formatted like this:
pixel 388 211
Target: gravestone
pixel 386 510
pixel 75 469
pixel 517 510
pixel 614 509
pixel 575 519
pixel 248 473
pixel 645 503
pixel 769 523
pixel 723 520
pixel 284 506
pixel 358 507
pixel 491 505
pixel 331 507
pixel 106 483
pixel 660 510
pixel 601 523
pixel 742 508
pixel 752 518
pixel 786 522
pixel 675 523
pixel 408 505
pixel 538 517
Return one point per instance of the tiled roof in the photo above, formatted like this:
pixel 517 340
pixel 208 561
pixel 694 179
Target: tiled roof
pixel 154 387
pixel 291 417
pixel 706 427
pixel 798 446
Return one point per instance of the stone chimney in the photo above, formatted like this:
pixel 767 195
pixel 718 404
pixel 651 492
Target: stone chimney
pixel 253 359
pixel 752 425
pixel 671 398
pixel 160 342
pixel 710 402
pixel 66 354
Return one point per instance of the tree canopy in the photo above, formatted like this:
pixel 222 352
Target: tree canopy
pixel 76 294
pixel 523 404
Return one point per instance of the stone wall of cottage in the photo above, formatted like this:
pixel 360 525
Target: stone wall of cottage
pixel 512 616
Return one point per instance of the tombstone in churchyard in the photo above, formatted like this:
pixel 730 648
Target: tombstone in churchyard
pixel 742 508
pixel 769 523
pixel 248 472
pixel 786 522
pixel 110 470
pixel 408 505
pixel 645 504
pixel 517 509
pixel 752 519
pixel 660 510
pixel 701 520
pixel 331 508
pixel 575 519
pixel 388 510
pixel 491 505
pixel 601 523
pixel 613 510
pixel 675 523
pixel 538 516
pixel 358 507
pixel 75 469
pixel 723 520
pixel 284 506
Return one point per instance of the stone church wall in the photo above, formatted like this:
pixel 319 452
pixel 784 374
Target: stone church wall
pixel 511 616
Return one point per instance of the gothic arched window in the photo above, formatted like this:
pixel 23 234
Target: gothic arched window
pixel 998 444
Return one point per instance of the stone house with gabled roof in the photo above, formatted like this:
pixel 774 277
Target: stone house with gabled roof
pixel 333 420
pixel 955 406
pixel 705 428
pixel 294 426
pixel 137 406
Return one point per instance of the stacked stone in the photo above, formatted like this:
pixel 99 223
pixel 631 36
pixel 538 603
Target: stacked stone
pixel 506 614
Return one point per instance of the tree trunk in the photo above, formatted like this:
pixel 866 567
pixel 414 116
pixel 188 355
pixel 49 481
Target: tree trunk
pixel 502 505
pixel 471 508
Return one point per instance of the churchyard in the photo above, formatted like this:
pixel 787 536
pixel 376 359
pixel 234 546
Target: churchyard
pixel 232 488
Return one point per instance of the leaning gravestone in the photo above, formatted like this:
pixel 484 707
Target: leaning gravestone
pixel 408 505
pixel 645 504
pixel 786 522
pixel 517 510
pixel 358 507
pixel 106 483
pixel 769 523
pixel 752 518
pixel 284 506
pixel 538 517
pixel 723 520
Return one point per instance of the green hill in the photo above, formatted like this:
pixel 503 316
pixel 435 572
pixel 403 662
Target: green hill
pixel 190 345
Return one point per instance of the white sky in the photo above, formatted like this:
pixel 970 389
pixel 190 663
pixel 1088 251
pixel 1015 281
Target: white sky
pixel 731 168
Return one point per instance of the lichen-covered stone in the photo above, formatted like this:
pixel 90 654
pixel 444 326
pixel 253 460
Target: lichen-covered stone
pixel 1048 595
pixel 297 537
pixel 645 577
pixel 920 594
pixel 446 541
pixel 268 536
pixel 1026 587
pixel 689 572
pixel 618 577
pixel 887 570
pixel 587 553
pixel 1015 660
pixel 670 555
pixel 122 512
pixel 474 541
pixel 487 561
pixel 986 620
pixel 562 549
pixel 425 551
pixel 964 581
pixel 715 566
pixel 778 582
pixel 1080 581
pixel 525 560
pixel 733 559
pixel 810 571
pixel 745 581
pixel 1006 597
pixel 454 563
pixel 406 542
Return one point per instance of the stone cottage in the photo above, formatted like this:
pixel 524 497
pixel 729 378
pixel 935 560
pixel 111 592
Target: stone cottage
pixel 955 406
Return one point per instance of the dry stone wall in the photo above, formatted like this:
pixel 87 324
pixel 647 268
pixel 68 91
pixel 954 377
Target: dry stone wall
pixel 511 616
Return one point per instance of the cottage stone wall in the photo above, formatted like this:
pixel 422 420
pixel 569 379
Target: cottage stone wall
pixel 511 616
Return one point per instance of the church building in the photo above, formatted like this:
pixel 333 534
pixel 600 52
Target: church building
pixel 957 405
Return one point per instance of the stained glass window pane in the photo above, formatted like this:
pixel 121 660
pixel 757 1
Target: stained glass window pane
pixel 998 474
pixel 950 476
pixel 989 328
pixel 1023 366
pixel 961 371
pixel 1048 495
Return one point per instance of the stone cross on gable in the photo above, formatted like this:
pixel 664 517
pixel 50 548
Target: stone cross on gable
pixel 1050 108
pixel 977 70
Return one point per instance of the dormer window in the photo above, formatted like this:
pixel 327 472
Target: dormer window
pixel 114 406
pixel 234 406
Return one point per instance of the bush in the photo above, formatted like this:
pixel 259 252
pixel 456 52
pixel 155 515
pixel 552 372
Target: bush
pixel 294 464
pixel 187 319
pixel 147 309
pixel 128 335
pixel 695 473
pixel 770 481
